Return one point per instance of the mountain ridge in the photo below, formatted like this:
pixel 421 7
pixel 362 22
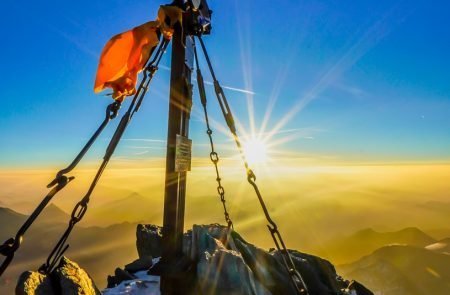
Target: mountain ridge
pixel 103 243
pixel 139 209
pixel 401 270
pixel 364 242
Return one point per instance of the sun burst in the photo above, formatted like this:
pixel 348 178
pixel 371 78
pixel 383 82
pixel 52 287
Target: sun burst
pixel 256 151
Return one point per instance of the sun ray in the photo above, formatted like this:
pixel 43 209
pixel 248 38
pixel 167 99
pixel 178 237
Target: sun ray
pixel 243 32
pixel 372 36
pixel 296 36
pixel 287 138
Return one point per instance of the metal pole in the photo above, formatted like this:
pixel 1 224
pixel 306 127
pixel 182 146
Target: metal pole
pixel 175 182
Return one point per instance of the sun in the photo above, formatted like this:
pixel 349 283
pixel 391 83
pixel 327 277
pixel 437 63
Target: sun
pixel 256 151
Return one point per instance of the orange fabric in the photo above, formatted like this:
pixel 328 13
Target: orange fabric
pixel 123 57
pixel 125 54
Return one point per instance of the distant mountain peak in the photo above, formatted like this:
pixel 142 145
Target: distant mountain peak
pixel 363 242
pixel 10 220
pixel 407 233
pixel 411 229
pixel 53 208
pixel 446 240
pixel 402 269
pixel 135 195
pixel 366 231
pixel 4 211
pixel 139 209
pixel 53 214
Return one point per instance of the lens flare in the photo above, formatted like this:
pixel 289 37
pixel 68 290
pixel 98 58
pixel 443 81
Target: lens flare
pixel 256 151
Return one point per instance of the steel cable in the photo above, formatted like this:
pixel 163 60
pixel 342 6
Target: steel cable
pixel 295 276
pixel 81 207
pixel 213 154
pixel 10 246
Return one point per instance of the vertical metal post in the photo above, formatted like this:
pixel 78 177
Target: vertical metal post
pixel 175 183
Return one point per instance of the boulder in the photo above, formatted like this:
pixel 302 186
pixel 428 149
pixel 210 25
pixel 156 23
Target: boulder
pixel 221 269
pixel 34 283
pixel 226 260
pixel 119 276
pixel 73 280
pixel 143 263
pixel 227 264
pixel 148 240
pixel 215 260
pixel 67 279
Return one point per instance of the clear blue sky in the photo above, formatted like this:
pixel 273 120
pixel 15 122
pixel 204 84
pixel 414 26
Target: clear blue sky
pixel 350 80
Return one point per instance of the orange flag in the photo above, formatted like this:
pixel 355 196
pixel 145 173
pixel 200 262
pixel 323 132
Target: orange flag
pixel 125 54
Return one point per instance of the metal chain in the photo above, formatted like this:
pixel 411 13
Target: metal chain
pixel 213 154
pixel 81 207
pixel 10 246
pixel 295 276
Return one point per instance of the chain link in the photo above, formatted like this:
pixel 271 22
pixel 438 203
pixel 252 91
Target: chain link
pixel 220 189
pixel 213 154
pixel 295 276
pixel 81 207
pixel 9 247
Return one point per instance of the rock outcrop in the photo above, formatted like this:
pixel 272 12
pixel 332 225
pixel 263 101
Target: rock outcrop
pixel 148 240
pixel 222 262
pixel 34 283
pixel 215 260
pixel 67 279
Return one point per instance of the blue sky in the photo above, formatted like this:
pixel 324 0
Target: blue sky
pixel 362 81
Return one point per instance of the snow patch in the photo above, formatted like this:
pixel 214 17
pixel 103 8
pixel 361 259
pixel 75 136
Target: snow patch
pixel 144 284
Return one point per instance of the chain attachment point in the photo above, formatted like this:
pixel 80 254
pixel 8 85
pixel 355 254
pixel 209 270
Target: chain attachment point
pixel 81 207
pixel 79 211
pixel 214 157
pixel 251 177
pixel 113 110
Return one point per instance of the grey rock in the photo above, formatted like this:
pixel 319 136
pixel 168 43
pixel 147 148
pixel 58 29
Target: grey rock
pixel 111 282
pixel 319 274
pixel 119 276
pixel 227 264
pixel 148 240
pixel 34 283
pixel 122 275
pixel 226 261
pixel 266 267
pixel 73 280
pixel 143 263
pixel 221 269
pixel 216 260
pixel 67 279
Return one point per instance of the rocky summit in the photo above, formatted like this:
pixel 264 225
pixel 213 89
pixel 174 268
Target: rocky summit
pixel 67 278
pixel 215 260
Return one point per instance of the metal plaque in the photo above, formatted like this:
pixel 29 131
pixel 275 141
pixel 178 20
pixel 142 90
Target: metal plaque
pixel 183 150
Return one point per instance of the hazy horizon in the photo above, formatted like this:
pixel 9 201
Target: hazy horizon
pixel 316 201
pixel 343 110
